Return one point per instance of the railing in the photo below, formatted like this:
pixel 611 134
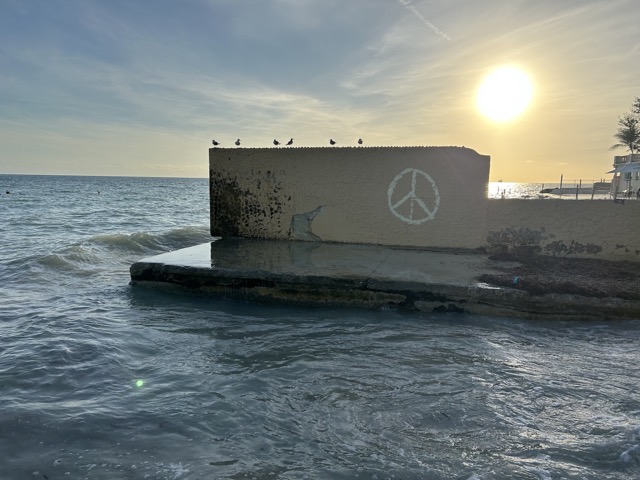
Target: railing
pixel 579 188
pixel 566 189
pixel 621 187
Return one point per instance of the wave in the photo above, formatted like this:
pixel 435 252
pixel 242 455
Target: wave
pixel 147 242
pixel 102 253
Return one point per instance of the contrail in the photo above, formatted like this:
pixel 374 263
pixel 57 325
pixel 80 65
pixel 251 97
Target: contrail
pixel 414 10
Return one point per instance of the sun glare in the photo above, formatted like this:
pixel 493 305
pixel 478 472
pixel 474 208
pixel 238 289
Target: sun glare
pixel 504 94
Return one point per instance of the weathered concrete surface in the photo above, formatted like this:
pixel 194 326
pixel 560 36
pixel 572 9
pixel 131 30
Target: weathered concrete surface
pixel 368 276
pixel 564 228
pixel 431 197
pixel 410 196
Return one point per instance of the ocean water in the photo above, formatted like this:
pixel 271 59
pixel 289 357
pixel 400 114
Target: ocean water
pixel 534 190
pixel 101 380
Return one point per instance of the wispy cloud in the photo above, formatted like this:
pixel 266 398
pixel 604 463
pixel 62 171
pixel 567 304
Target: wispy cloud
pixel 412 8
pixel 554 19
pixel 92 80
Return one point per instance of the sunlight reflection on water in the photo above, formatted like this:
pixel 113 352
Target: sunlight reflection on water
pixel 534 190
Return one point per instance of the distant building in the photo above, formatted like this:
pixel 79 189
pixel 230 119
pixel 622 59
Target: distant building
pixel 626 183
pixel 621 159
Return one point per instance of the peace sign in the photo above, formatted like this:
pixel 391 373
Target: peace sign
pixel 413 196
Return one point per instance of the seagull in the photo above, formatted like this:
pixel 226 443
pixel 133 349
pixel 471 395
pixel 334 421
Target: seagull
pixel 359 141
pixel 332 141
pixel 276 142
pixel 238 142
pixel 215 143
pixel 290 142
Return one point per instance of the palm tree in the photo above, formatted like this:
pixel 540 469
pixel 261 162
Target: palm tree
pixel 628 134
pixel 635 108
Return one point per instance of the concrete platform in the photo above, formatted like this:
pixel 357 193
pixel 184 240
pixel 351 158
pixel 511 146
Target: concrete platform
pixel 368 276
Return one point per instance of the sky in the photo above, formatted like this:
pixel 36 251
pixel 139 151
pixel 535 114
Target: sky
pixel 121 87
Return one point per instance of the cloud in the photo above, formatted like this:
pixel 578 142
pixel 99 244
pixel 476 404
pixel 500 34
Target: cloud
pixel 407 4
pixel 549 21
pixel 118 77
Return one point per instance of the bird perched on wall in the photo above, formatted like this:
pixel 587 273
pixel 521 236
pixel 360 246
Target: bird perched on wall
pixel 290 142
pixel 276 142
pixel 359 141
pixel 332 141
pixel 238 142
pixel 215 143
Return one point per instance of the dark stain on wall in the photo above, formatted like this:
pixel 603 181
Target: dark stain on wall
pixel 520 242
pixel 237 211
pixel 225 204
pixel 560 248
pixel 626 248
pixel 525 242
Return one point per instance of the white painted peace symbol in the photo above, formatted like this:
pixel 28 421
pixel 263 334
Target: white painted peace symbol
pixel 413 205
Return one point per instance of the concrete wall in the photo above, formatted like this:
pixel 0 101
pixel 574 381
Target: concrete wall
pixel 414 196
pixel 581 228
pixel 432 197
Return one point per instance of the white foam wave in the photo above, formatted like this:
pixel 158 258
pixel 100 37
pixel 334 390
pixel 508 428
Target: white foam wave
pixel 543 474
pixel 106 250
pixel 630 453
pixel 144 242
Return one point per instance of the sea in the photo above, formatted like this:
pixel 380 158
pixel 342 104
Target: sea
pixel 568 190
pixel 102 380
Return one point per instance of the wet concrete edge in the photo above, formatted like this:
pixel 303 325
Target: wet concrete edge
pixel 364 292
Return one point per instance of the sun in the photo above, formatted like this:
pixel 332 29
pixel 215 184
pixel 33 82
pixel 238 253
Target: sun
pixel 504 94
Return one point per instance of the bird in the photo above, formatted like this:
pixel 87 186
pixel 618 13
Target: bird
pixel 332 141
pixel 276 142
pixel 359 141
pixel 290 142
pixel 215 143
pixel 238 142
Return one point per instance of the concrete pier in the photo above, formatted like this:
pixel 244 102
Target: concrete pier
pixel 368 276
pixel 402 227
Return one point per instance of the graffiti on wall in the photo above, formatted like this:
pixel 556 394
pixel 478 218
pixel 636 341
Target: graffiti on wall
pixel 413 196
